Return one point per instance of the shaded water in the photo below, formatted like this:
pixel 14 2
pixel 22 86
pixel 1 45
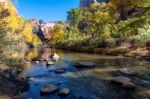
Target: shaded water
pixel 93 83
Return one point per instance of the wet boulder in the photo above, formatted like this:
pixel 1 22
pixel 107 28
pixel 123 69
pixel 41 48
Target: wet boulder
pixel 49 89
pixel 64 92
pixel 85 64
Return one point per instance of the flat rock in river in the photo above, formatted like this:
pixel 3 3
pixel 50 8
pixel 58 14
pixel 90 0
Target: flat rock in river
pixel 49 89
pixel 59 70
pixel 120 79
pixel 127 71
pixel 124 81
pixel 128 85
pixel 85 64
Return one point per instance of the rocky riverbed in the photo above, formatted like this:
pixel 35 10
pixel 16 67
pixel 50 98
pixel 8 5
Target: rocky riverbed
pixel 78 76
pixel 87 76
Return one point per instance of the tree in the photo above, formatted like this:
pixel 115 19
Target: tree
pixel 12 44
pixel 97 18
pixel 13 34
pixel 123 6
pixel 74 16
pixel 29 36
pixel 57 34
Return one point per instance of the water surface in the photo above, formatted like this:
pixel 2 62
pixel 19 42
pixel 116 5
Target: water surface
pixel 92 83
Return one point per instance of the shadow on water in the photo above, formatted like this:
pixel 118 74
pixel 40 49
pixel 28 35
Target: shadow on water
pixel 93 83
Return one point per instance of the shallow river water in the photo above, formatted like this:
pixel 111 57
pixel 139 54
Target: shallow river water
pixel 89 83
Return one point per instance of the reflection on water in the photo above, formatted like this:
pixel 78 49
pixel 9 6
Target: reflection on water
pixel 84 83
pixel 32 53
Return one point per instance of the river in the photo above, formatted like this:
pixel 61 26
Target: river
pixel 85 83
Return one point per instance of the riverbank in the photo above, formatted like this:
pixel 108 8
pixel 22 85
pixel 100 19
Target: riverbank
pixel 10 83
pixel 141 53
pixel 8 88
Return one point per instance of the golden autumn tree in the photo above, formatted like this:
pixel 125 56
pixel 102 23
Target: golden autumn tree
pixel 29 36
pixel 57 34
pixel 12 34
pixel 12 44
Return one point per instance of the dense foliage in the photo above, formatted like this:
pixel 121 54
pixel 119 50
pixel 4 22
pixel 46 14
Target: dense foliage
pixel 108 24
pixel 57 34
pixel 14 33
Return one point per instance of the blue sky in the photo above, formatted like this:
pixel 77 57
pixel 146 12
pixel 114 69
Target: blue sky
pixel 47 10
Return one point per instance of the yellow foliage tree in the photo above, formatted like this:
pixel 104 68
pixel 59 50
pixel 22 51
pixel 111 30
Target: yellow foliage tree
pixel 30 37
pixel 57 34
pixel 13 34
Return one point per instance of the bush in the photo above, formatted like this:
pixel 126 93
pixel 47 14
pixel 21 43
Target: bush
pixel 142 38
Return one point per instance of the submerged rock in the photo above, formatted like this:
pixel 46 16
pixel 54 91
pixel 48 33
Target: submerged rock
pixel 127 71
pixel 17 97
pixel 84 64
pixel 120 79
pixel 124 81
pixel 59 70
pixel 49 89
pixel 30 78
pixel 128 85
pixel 64 92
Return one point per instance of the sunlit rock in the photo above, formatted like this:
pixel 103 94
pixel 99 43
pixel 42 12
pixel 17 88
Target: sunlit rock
pixel 50 63
pixel 54 57
pixel 64 92
pixel 37 62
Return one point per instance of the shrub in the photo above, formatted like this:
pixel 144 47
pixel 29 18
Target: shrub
pixel 142 38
